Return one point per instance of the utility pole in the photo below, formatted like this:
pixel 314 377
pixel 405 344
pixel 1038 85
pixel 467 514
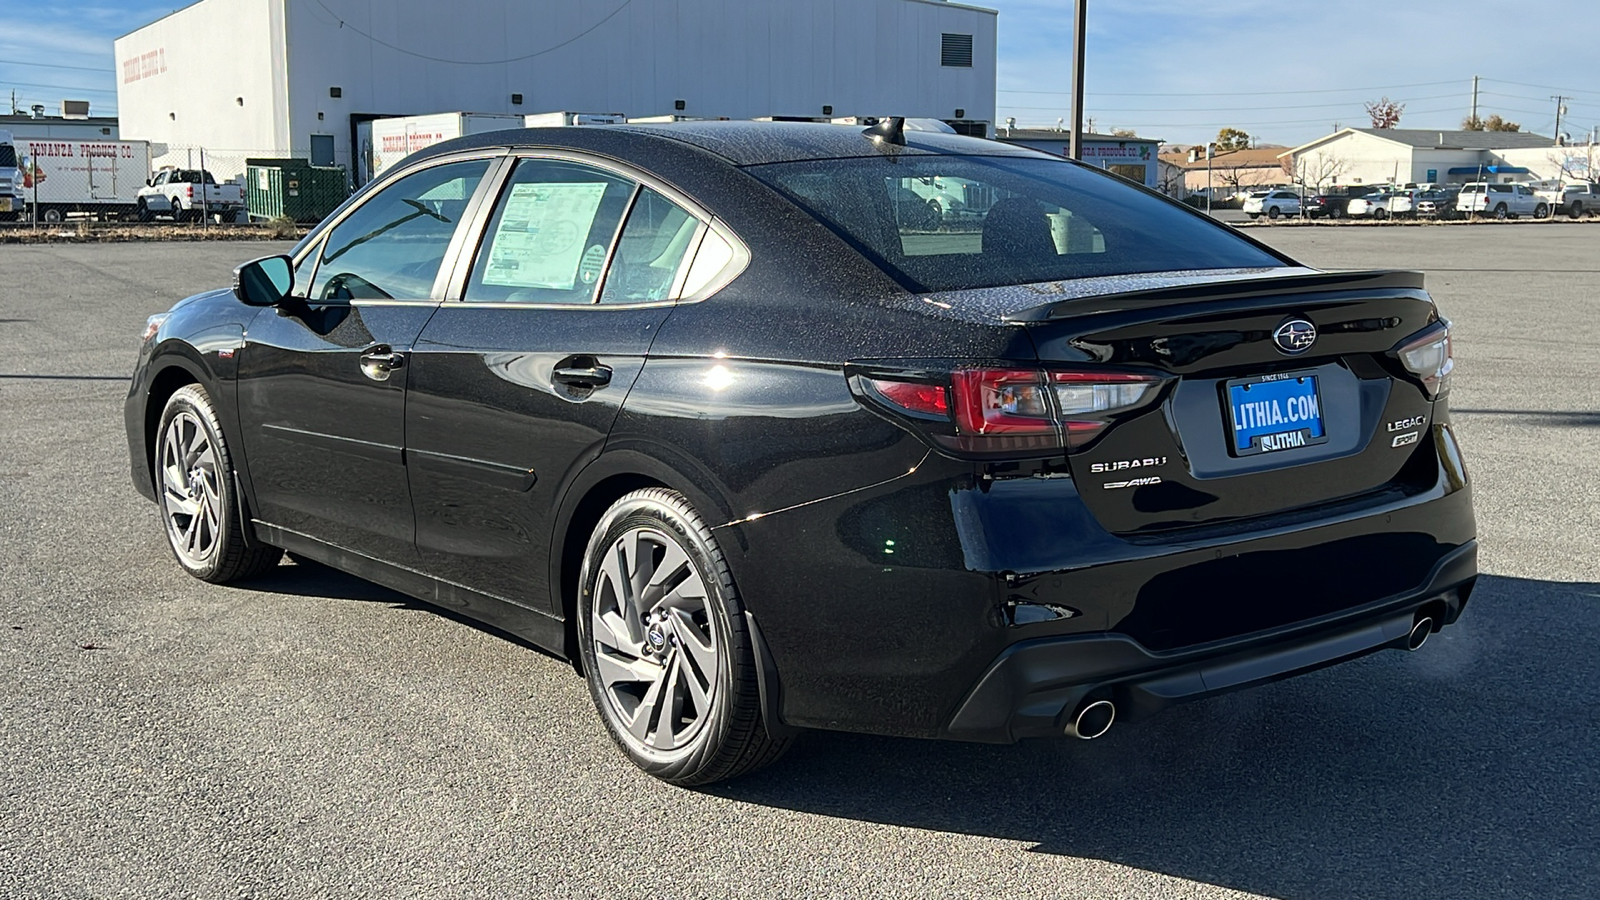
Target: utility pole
pixel 1474 116
pixel 1075 147
pixel 1559 110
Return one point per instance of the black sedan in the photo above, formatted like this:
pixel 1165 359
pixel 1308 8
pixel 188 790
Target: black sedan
pixel 721 414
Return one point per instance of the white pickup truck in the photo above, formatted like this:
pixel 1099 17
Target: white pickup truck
pixel 1575 200
pixel 1502 201
pixel 186 194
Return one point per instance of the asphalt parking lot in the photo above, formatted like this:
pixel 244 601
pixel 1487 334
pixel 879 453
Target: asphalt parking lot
pixel 312 735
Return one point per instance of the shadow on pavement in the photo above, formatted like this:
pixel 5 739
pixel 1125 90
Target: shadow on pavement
pixel 1467 769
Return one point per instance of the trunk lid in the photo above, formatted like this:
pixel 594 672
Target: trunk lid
pixel 1335 419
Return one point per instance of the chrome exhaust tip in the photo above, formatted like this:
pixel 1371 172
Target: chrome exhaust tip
pixel 1093 720
pixel 1419 633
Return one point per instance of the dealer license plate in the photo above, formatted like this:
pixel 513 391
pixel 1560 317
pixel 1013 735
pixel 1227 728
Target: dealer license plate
pixel 1275 412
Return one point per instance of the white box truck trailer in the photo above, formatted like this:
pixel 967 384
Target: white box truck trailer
pixel 395 139
pixel 12 201
pixel 98 178
pixel 565 119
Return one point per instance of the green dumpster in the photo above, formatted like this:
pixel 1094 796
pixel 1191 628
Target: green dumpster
pixel 293 188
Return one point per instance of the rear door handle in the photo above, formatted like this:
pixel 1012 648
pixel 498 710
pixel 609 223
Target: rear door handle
pixel 593 375
pixel 380 362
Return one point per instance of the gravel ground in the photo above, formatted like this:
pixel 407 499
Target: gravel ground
pixel 316 736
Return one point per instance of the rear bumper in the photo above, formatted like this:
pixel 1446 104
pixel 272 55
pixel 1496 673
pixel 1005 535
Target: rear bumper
pixel 1035 687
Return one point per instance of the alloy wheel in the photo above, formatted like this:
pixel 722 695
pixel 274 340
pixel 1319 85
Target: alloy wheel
pixel 191 489
pixel 655 650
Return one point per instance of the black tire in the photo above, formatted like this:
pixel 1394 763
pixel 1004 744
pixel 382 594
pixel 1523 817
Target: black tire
pixel 1380 214
pixel 730 738
pixel 1272 212
pixel 176 208
pixel 227 557
pixel 1501 212
pixel 1335 212
pixel 51 215
pixel 1541 211
pixel 1576 211
pixel 142 211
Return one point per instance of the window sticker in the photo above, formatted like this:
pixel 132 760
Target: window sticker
pixel 594 259
pixel 540 239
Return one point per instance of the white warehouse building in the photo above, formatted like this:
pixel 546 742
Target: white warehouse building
pixel 281 78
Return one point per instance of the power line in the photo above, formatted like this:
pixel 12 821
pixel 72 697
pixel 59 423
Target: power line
pixel 59 87
pixel 1133 120
pixel 1390 87
pixel 1542 87
pixel 19 62
pixel 473 62
pixel 1105 109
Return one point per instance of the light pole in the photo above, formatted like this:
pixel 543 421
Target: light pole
pixel 1075 146
pixel 1209 188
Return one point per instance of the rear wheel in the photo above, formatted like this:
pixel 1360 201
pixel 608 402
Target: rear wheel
pixel 176 209
pixel 193 478
pixel 1501 212
pixel 1380 214
pixel 1576 211
pixel 665 649
pixel 1335 212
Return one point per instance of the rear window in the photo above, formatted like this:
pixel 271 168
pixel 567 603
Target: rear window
pixel 943 223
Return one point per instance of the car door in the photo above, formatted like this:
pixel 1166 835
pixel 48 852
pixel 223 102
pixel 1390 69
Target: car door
pixel 322 379
pixel 514 386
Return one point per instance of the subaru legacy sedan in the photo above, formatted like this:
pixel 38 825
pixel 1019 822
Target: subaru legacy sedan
pixel 727 416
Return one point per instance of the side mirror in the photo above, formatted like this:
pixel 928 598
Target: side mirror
pixel 265 281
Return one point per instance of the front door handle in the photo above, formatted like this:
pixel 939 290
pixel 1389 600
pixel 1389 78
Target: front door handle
pixel 574 373
pixel 380 362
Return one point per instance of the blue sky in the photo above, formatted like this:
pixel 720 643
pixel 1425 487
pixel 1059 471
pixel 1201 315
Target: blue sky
pixel 1282 70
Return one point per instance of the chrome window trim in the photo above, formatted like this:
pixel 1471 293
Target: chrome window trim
pixel 374 187
pixel 641 179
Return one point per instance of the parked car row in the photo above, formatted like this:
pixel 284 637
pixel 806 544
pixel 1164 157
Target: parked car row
pixel 1428 201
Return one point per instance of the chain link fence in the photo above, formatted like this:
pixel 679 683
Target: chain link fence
pixel 145 183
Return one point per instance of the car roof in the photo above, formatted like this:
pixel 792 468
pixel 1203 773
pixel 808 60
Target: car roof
pixel 742 143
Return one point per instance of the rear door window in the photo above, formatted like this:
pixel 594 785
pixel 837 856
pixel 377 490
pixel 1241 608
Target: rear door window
pixel 551 234
pixel 654 242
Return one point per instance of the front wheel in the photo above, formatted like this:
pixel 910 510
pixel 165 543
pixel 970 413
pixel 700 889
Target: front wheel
pixel 665 649
pixel 1541 211
pixel 142 211
pixel 1272 212
pixel 193 477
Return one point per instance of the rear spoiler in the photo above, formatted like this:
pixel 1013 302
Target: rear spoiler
pixel 1220 289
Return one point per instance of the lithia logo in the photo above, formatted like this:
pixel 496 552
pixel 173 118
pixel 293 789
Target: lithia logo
pixel 1119 465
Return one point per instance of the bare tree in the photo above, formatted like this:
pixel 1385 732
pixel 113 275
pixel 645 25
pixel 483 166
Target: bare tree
pixel 1577 163
pixel 1313 170
pixel 1495 123
pixel 1385 113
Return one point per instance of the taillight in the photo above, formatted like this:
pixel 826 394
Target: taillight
pixel 1429 356
pixel 1013 412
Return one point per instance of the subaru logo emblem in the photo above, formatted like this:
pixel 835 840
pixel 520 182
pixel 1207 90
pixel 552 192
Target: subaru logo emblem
pixel 1295 336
